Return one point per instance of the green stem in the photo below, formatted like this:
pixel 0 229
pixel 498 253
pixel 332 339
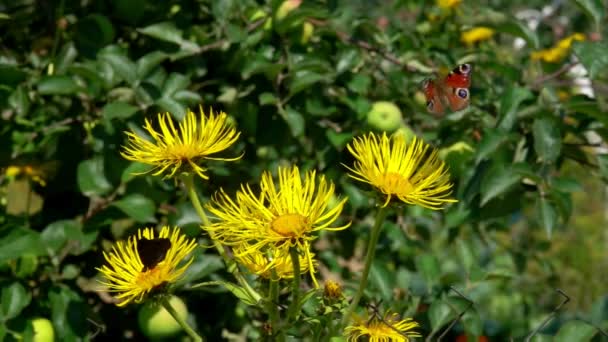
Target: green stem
pixel 230 264
pixel 369 258
pixel 181 321
pixel 273 303
pixel 295 301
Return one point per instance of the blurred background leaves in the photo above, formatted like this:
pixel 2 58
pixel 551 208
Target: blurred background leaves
pixel 300 80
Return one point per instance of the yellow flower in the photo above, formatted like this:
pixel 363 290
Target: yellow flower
pixel 257 262
pixel 278 218
pixel 559 51
pixel 476 34
pixel 38 173
pixel 182 150
pixel 410 171
pixel 377 329
pixel 332 290
pixel 447 4
pixel 145 262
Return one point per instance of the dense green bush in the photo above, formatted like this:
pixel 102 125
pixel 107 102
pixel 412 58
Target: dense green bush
pixel 527 157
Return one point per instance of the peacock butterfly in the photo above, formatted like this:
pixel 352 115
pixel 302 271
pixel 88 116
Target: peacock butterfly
pixel 452 91
pixel 151 252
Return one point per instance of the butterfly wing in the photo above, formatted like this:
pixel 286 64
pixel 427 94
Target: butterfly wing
pixel 457 84
pixel 433 94
pixel 151 252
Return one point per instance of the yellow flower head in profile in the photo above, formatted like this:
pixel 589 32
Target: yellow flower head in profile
pixel 277 218
pixel 447 4
pixel 145 262
pixel 257 262
pixel 389 328
pixel 173 151
pixel 476 34
pixel 559 51
pixel 409 171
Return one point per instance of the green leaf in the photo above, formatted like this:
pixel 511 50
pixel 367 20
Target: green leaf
pixel 138 207
pixel 428 265
pixel 15 298
pixel 68 314
pixel 57 85
pixel 174 83
pixel 57 234
pixel 133 170
pixel 118 110
pixel 203 266
pixel 490 142
pixel 236 290
pixel 519 29
pixel 18 242
pixel 267 99
pixel 149 62
pixel 304 79
pixel 91 178
pixel 11 75
pixel 547 139
pixel 580 104
pixel 547 214
pixel 509 104
pixel 177 110
pixel 295 121
pixel 440 314
pixel 593 56
pixel 380 277
pixel 575 331
pixel 122 66
pixel 164 31
pixel 497 181
pixel 594 9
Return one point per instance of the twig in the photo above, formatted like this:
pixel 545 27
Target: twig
pixel 550 317
pixel 459 317
pixel 564 68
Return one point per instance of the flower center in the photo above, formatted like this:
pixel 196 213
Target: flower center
pixel 394 183
pixel 290 225
pixel 151 278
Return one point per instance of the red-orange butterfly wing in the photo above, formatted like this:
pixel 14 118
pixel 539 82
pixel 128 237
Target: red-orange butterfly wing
pixel 434 103
pixel 457 84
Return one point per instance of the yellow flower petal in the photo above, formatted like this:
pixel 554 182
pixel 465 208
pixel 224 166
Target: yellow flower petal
pixel 388 328
pixel 476 34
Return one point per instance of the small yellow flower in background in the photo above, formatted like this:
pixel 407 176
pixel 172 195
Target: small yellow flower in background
pixel 332 290
pixel 257 262
pixel 38 173
pixel 145 262
pixel 174 151
pixel 559 51
pixel 447 4
pixel 476 34
pixel 389 328
pixel 278 217
pixel 410 171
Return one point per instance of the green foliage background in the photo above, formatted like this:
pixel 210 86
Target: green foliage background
pixel 75 75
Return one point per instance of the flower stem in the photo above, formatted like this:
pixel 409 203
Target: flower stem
pixel 273 305
pixel 295 301
pixel 230 264
pixel 369 258
pixel 180 321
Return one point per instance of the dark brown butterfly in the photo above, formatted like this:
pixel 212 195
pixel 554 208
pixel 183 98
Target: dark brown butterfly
pixel 151 252
pixel 452 91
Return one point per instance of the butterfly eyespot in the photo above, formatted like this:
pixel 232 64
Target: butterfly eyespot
pixel 462 93
pixel 465 68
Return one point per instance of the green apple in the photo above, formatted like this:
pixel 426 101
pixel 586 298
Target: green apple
pixel 43 330
pixel 155 322
pixel 286 7
pixel 384 116
pixel 405 131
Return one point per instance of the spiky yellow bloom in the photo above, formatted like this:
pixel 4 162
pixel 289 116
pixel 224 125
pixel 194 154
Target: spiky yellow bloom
pixel 173 151
pixel 277 218
pixel 559 51
pixel 376 329
pixel 410 171
pixel 332 290
pixel 146 262
pixel 257 263
pixel 447 4
pixel 476 34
